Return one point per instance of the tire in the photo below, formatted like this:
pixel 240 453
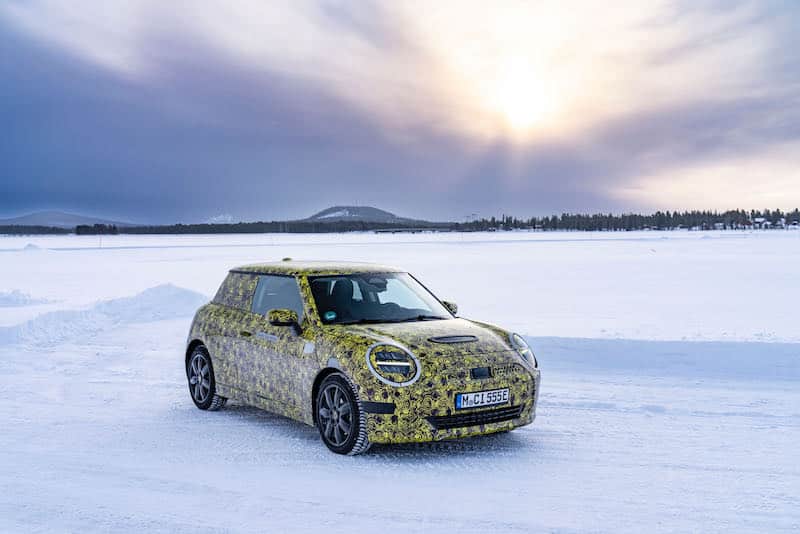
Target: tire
pixel 340 420
pixel 203 392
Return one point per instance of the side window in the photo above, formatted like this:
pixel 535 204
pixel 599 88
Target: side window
pixel 274 292
pixel 236 291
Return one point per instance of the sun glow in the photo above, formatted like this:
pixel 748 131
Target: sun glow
pixel 521 98
pixel 512 69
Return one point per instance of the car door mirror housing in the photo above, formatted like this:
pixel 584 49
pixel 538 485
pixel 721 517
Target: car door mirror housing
pixel 452 306
pixel 283 317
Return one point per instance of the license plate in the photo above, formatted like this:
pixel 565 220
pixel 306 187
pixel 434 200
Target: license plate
pixel 481 398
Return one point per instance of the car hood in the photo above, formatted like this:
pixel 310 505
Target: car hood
pixel 438 337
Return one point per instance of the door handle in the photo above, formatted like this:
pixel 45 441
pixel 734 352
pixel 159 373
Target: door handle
pixel 245 333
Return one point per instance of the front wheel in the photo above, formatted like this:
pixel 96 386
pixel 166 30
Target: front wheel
pixel 340 421
pixel 202 386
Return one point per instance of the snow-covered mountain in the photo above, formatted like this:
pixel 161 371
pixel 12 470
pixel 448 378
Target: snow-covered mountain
pixel 57 219
pixel 357 213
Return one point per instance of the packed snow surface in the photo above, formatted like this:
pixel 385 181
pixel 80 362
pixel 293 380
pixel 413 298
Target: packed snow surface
pixel 669 399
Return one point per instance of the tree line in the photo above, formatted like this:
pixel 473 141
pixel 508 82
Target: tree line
pixel 96 229
pixel 279 227
pixel 17 229
pixel 660 220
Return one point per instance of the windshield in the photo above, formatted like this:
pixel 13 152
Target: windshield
pixel 374 298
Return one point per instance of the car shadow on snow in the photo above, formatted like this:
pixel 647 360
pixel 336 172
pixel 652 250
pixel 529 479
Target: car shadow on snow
pixel 492 445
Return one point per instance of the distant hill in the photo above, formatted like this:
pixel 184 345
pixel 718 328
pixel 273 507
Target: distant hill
pixel 365 214
pixel 57 219
pixel 334 219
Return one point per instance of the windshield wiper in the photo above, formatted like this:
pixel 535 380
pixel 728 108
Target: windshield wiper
pixel 420 318
pixel 406 320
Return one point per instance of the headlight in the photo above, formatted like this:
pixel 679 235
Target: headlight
pixel 393 364
pixel 524 350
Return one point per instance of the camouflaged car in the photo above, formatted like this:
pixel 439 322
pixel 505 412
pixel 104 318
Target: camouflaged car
pixel 363 352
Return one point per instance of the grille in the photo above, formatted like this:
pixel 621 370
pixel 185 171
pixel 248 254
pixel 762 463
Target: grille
pixel 499 415
pixel 479 373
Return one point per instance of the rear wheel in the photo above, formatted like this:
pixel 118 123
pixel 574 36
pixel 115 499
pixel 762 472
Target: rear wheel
pixel 340 420
pixel 202 386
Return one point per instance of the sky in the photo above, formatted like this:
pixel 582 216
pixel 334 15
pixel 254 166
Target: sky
pixel 152 111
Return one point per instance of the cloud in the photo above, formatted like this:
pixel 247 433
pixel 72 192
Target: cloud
pixel 762 180
pixel 422 107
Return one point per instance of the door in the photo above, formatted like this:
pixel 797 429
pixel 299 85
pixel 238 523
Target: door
pixel 280 361
pixel 231 321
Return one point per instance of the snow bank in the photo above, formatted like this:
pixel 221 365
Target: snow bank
pixel 154 304
pixel 14 298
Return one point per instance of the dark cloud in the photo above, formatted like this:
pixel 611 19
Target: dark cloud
pixel 203 137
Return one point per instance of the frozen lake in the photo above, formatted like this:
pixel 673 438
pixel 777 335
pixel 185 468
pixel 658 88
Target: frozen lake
pixel 670 399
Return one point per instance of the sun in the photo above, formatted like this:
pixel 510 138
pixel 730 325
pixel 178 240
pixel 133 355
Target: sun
pixel 522 105
pixel 521 98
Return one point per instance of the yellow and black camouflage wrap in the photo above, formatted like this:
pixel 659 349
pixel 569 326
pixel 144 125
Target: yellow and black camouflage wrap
pixel 282 317
pixel 278 368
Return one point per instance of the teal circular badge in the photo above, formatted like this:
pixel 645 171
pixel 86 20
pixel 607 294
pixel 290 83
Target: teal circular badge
pixel 330 315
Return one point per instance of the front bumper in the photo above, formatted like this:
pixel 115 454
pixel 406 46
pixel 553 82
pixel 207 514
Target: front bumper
pixel 426 410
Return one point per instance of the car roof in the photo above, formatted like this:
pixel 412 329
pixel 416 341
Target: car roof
pixel 315 268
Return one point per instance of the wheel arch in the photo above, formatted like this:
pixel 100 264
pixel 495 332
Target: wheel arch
pixel 322 375
pixel 190 349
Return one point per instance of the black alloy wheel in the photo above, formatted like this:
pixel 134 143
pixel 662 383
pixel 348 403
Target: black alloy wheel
pixel 202 386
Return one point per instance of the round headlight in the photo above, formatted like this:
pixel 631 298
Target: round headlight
pixel 393 364
pixel 519 343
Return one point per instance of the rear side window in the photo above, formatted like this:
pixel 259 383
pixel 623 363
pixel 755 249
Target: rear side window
pixel 237 291
pixel 277 292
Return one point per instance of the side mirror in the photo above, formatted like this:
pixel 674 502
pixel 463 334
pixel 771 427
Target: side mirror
pixel 452 306
pixel 283 317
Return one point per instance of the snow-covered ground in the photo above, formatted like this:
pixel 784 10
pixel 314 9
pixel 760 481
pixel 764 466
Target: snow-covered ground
pixel 669 402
